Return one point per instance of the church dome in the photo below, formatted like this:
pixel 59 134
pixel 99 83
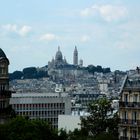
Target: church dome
pixel 58 55
pixel 2 54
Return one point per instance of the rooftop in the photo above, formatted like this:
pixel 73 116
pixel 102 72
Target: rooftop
pixel 38 95
pixel 132 81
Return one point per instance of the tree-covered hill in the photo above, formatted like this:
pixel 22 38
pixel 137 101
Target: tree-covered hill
pixel 29 73
pixel 34 73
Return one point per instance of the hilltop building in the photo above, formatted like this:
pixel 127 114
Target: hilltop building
pixel 81 63
pixel 75 57
pixel 4 87
pixel 129 108
pixel 58 62
pixel 59 68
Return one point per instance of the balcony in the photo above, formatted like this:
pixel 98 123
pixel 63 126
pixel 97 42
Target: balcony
pixel 129 104
pixel 126 138
pixel 128 122
pixel 133 138
pixel 123 138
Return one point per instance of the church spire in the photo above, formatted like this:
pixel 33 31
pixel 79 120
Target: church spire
pixel 75 48
pixel 75 56
pixel 58 48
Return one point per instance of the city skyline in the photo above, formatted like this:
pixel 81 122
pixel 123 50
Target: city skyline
pixel 106 33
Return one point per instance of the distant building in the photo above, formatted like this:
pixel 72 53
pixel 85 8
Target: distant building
pixel 129 108
pixel 4 87
pixel 81 63
pixel 59 69
pixel 73 121
pixel 86 98
pixel 103 85
pixel 58 62
pixel 69 122
pixel 75 57
pixel 45 106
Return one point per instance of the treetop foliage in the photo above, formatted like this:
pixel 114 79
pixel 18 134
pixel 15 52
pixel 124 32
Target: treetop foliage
pixel 21 128
pixel 92 69
pixel 33 72
pixel 101 119
pixel 28 73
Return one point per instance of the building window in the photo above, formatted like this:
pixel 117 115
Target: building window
pixel 134 134
pixel 2 87
pixel 126 98
pixel 125 116
pixel 135 97
pixel 4 70
pixel 125 132
pixel 134 117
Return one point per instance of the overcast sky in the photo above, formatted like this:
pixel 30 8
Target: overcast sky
pixel 106 32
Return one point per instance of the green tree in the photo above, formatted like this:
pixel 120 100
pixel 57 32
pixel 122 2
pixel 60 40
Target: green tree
pixel 77 135
pixel 16 75
pixel 29 72
pixel 21 128
pixel 62 135
pixel 101 119
pixel 105 136
pixel 92 69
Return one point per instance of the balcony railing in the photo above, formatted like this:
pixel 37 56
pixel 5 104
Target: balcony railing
pixel 129 122
pixel 126 138
pixel 123 138
pixel 133 138
pixel 129 104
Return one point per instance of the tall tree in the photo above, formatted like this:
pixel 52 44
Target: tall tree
pixel 101 119
pixel 29 72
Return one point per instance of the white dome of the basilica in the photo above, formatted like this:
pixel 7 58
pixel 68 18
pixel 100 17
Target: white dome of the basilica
pixel 59 62
pixel 58 56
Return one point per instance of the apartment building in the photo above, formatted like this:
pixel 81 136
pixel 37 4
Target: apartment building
pixel 45 106
pixel 129 108
pixel 4 88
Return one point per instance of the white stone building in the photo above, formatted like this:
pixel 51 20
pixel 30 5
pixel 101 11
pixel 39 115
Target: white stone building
pixel 69 122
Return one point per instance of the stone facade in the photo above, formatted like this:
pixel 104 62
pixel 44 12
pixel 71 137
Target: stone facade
pixel 129 108
pixel 4 87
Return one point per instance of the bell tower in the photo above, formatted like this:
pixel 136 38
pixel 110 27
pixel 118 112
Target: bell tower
pixel 75 57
